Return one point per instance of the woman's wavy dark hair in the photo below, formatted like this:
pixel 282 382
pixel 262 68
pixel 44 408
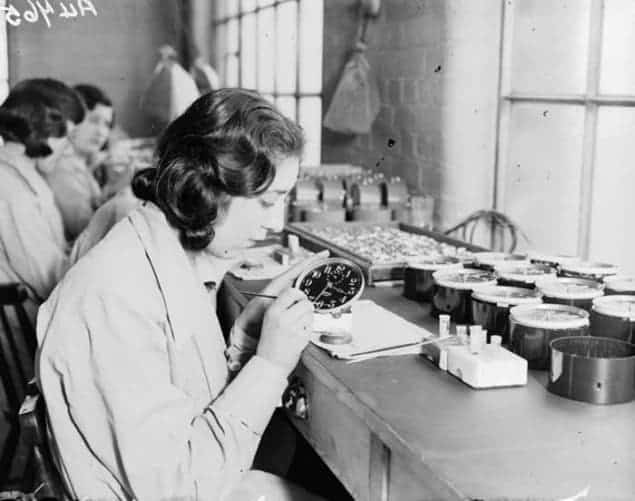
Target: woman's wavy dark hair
pixel 64 98
pixel 92 96
pixel 30 117
pixel 224 145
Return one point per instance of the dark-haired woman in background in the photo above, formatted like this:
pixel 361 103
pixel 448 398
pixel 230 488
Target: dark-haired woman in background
pixel 34 123
pixel 145 399
pixel 76 190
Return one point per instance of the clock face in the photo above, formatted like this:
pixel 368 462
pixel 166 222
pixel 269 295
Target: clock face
pixel 332 284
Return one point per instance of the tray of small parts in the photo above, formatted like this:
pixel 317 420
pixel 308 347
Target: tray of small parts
pixel 383 250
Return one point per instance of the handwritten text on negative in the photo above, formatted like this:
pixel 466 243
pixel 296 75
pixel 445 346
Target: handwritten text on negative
pixel 35 10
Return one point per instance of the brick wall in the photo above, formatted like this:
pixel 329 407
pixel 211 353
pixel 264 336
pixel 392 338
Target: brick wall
pixel 437 63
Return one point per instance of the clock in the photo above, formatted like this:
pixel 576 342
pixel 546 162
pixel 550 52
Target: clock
pixel 332 284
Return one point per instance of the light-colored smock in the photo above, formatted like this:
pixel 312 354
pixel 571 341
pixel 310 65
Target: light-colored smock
pixel 133 369
pixel 32 243
pixel 76 191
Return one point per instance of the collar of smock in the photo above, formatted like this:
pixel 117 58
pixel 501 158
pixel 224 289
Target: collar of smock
pixel 13 154
pixel 177 271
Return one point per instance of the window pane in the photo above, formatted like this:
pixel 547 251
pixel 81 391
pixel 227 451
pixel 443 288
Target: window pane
pixel 248 52
pixel 311 121
pixel 550 46
pixel 232 36
pixel 612 238
pixel 266 50
pixel 219 11
pixel 231 7
pixel 247 5
pixel 220 49
pixel 265 3
pixel 286 105
pixel 542 175
pixel 231 77
pixel 311 34
pixel 286 47
pixel 618 57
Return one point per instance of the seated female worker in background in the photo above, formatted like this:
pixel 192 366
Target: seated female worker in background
pixel 76 190
pixel 145 399
pixel 34 122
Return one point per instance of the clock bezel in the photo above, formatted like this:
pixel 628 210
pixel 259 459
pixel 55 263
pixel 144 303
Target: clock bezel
pixel 334 260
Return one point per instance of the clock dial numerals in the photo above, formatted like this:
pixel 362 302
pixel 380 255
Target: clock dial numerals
pixel 332 285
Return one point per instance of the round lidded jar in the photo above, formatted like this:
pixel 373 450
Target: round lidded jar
pixel 588 270
pixel 570 291
pixel 490 307
pixel 614 316
pixel 533 327
pixel 619 284
pixel 489 260
pixel 418 282
pixel 454 290
pixel 523 274
pixel 553 260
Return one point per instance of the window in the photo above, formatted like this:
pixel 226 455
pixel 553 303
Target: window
pixel 4 55
pixel 276 48
pixel 567 126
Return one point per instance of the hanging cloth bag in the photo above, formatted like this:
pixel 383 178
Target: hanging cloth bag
pixel 355 103
pixel 171 89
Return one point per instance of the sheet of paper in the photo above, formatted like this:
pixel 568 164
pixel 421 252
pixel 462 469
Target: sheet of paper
pixel 372 327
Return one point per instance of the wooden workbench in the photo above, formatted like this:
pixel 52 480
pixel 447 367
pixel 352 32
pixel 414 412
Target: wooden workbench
pixel 400 429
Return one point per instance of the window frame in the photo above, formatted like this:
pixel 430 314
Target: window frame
pixel 592 100
pixel 297 95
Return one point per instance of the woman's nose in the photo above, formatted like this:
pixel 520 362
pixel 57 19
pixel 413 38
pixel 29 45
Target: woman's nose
pixel 275 220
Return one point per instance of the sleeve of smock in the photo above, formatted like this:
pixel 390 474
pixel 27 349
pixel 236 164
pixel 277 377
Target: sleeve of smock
pixel 161 442
pixel 32 252
pixel 75 200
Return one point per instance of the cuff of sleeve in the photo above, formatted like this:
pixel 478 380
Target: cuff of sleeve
pixel 254 394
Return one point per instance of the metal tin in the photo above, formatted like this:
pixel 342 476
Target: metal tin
pixel 418 281
pixel 588 270
pixel 614 316
pixel 490 307
pixel 576 292
pixel 619 284
pixel 592 369
pixel 553 260
pixel 489 260
pixel 524 274
pixel 453 293
pixel 533 327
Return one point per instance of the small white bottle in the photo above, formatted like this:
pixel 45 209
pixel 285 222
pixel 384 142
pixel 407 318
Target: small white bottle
pixel 477 339
pixel 444 326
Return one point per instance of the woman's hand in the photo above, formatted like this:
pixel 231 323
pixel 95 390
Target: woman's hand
pixel 250 320
pixel 286 329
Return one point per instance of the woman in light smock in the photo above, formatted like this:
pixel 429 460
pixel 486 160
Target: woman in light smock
pixel 77 192
pixel 34 123
pixel 145 399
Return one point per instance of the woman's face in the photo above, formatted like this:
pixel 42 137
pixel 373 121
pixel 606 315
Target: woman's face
pixel 248 220
pixel 90 136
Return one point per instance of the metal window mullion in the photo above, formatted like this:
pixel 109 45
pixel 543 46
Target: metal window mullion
pixel 581 99
pixel 275 52
pixel 590 126
pixel 504 106
pixel 256 47
pixel 239 20
pixel 298 52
